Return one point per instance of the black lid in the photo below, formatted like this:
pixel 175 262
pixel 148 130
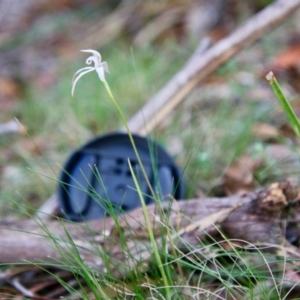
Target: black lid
pixel 97 178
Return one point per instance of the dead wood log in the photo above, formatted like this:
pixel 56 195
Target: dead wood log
pixel 122 244
pixel 200 66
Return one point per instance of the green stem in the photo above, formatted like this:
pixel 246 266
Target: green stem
pixel 151 235
pixel 284 102
pixel 145 212
pixel 130 137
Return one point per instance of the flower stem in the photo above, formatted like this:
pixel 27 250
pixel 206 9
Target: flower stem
pixel 145 212
pixel 130 137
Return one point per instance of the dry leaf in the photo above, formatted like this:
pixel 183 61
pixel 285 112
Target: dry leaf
pixel 291 276
pixel 287 65
pixel 239 176
pixel 289 58
pixel 9 88
pixel 265 131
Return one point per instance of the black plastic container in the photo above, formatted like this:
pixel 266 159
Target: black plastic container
pixel 96 179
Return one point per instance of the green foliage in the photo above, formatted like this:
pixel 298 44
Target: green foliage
pixel 286 106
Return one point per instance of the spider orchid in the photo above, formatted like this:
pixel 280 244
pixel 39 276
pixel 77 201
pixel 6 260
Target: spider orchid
pixel 99 67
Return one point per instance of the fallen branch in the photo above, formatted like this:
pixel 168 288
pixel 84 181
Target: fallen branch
pixel 200 66
pixel 118 246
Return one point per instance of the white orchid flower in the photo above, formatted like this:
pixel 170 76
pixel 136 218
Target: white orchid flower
pixel 99 67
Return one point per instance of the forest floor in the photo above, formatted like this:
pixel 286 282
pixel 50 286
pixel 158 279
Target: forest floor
pixel 229 135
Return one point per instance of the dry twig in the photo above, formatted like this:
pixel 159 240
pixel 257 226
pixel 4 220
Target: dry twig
pixel 200 66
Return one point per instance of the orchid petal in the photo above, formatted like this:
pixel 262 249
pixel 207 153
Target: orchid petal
pixel 100 71
pixel 81 70
pixel 95 54
pixel 78 77
pixel 105 67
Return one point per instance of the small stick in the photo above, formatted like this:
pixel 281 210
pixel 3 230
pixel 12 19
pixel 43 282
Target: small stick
pixel 160 105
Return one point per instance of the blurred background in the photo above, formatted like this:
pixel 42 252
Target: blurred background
pixel 229 135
